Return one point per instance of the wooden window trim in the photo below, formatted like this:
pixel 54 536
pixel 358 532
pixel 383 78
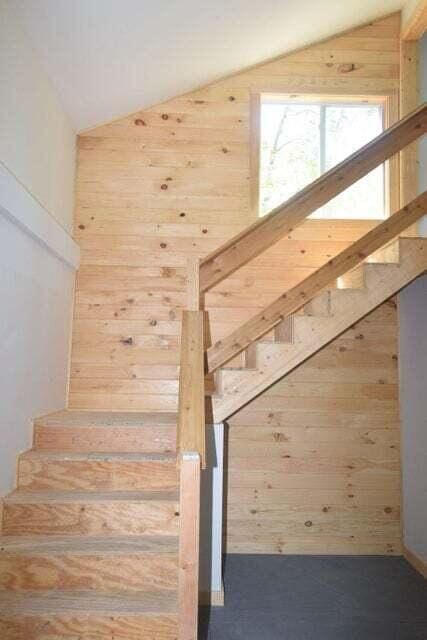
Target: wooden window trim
pixel 390 103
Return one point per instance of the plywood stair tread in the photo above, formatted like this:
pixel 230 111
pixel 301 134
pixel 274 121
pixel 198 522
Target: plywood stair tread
pixel 42 497
pixel 35 603
pixel 86 545
pixel 106 419
pixel 98 457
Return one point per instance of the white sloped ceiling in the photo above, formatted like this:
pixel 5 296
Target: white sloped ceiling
pixel 107 58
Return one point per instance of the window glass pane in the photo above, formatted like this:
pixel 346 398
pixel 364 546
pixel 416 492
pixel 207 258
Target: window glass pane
pixel 289 151
pixel 347 128
pixel 299 142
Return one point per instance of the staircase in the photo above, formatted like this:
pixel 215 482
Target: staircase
pixel 325 317
pixel 101 538
pixel 89 545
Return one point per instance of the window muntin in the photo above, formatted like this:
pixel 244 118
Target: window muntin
pixel 300 141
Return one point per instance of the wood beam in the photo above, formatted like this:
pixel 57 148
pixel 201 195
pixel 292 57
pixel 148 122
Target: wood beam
pixel 414 19
pixel 283 220
pixel 224 350
pixel 188 573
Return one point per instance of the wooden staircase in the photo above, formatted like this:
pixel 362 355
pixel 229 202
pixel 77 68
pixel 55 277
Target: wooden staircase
pixel 326 316
pixel 101 538
pixel 89 545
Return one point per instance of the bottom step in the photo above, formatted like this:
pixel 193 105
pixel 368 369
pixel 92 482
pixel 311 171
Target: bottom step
pixel 83 615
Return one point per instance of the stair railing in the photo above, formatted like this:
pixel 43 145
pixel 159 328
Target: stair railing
pixel 282 221
pixel 191 445
pixel 204 274
pixel 292 300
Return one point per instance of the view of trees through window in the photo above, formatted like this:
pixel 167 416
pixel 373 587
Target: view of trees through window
pixel 301 141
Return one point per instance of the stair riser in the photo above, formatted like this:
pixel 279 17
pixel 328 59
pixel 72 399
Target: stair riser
pixel 82 572
pixel 101 518
pixel 89 475
pixel 156 439
pixel 55 627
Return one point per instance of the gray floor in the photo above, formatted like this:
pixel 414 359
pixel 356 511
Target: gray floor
pixel 318 598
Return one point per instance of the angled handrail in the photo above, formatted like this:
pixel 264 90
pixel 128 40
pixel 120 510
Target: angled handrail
pixel 265 232
pixel 289 302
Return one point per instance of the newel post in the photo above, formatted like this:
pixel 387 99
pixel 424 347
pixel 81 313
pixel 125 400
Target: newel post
pixel 193 284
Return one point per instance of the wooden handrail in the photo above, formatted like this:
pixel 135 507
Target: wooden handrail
pixel 224 350
pixel 191 446
pixel 283 220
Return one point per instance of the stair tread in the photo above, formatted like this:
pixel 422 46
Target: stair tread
pixel 87 545
pixel 34 497
pixel 33 603
pixel 106 419
pixel 102 457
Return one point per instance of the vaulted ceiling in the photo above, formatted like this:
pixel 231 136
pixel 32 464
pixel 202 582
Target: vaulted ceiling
pixel 107 58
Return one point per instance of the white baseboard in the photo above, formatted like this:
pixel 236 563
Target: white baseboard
pixel 212 598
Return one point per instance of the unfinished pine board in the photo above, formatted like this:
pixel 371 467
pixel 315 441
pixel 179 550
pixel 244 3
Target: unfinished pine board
pixel 41 470
pixel 325 437
pixel 414 20
pixel 102 432
pixel 53 615
pixel 91 513
pixel 173 182
pixel 100 564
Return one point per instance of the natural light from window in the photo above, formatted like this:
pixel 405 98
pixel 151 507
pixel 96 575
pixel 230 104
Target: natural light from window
pixel 300 141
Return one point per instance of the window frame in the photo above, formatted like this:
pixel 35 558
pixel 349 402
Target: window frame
pixel 390 105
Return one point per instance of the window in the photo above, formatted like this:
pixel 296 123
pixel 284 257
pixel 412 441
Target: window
pixel 301 140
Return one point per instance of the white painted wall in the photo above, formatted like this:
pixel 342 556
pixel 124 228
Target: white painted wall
pixel 413 378
pixel 212 485
pixel 37 142
pixel 37 255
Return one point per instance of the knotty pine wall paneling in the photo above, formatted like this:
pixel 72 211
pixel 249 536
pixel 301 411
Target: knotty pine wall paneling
pixel 174 181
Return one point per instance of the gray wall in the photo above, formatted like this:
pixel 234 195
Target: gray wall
pixel 413 378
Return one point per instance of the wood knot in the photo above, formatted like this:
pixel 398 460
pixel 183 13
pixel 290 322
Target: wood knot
pixel 153 323
pixel 128 341
pixel 347 68
pixel 165 116
pixel 231 98
pixel 308 523
pixel 182 214
pixel 224 150
pixel 163 245
pixel 279 437
pixel 163 187
pixel 388 510
pixel 140 123
pixel 81 226
pixel 204 230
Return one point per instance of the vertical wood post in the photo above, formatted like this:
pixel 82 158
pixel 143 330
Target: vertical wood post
pixel 408 102
pixel 193 284
pixel 188 576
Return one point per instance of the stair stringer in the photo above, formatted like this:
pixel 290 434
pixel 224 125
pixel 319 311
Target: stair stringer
pixel 348 306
